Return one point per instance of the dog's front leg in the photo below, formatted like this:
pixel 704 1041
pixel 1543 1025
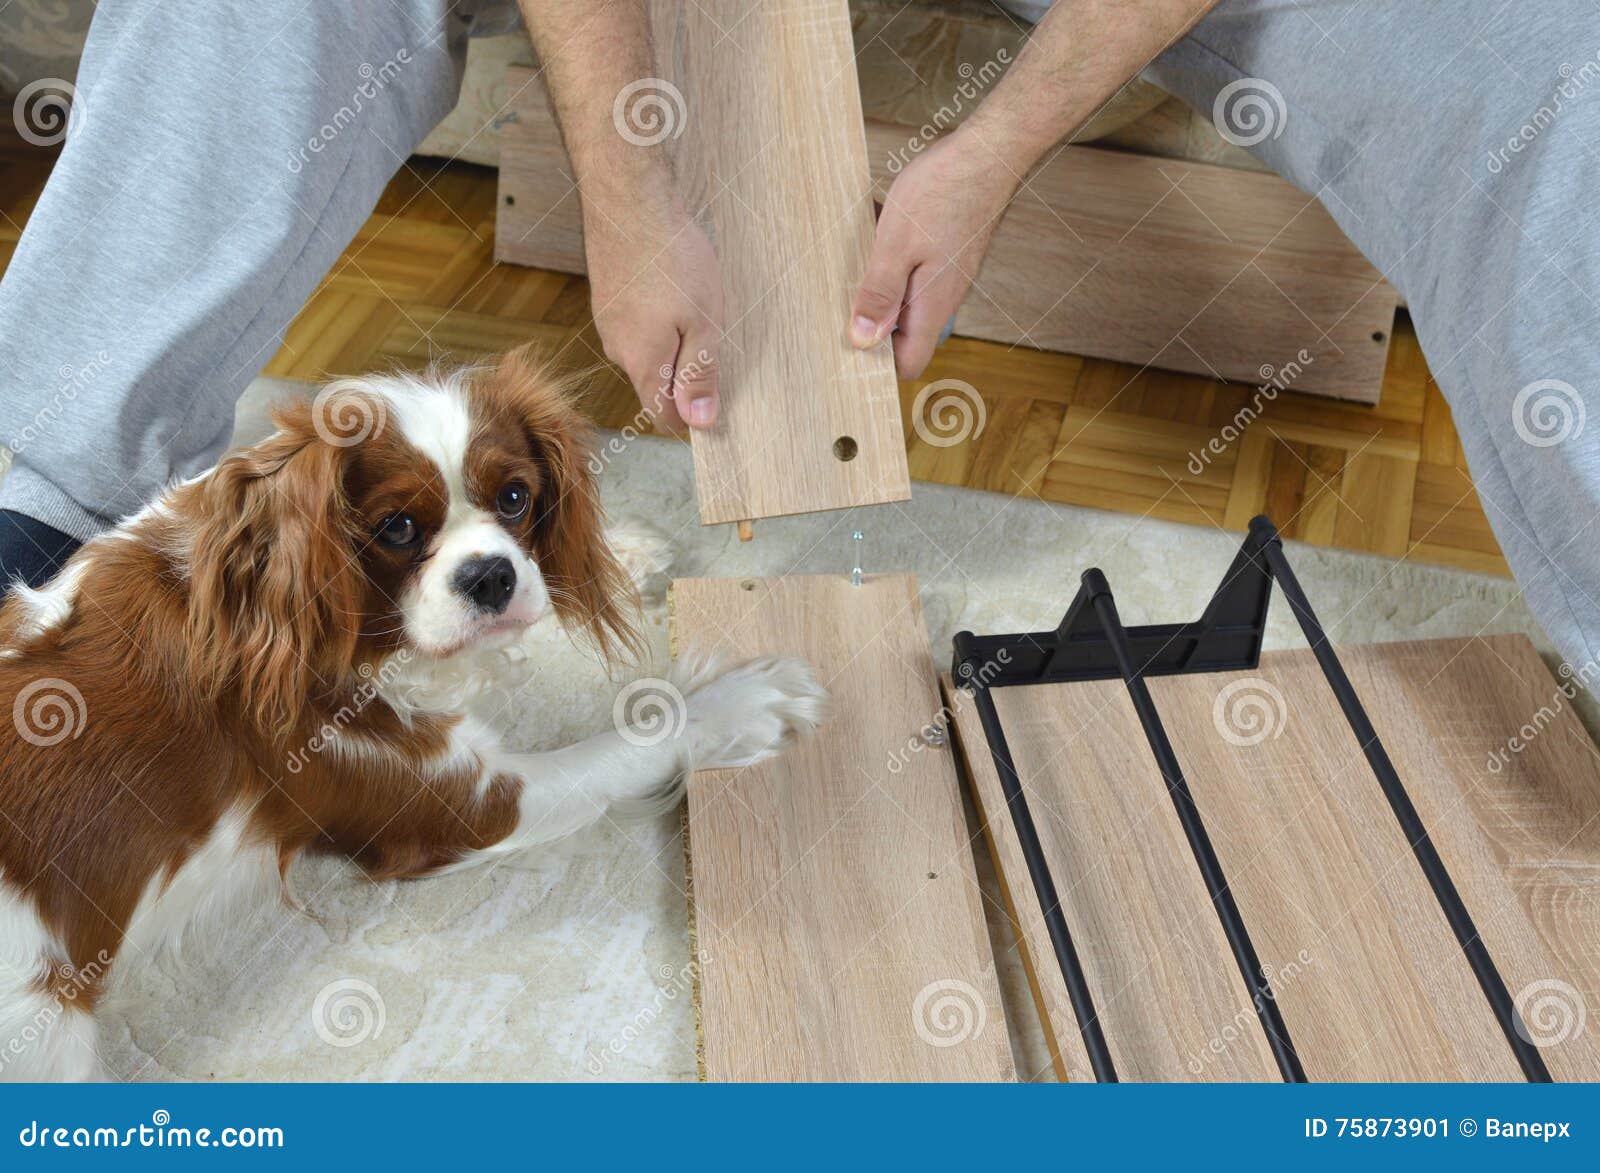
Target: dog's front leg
pixel 707 715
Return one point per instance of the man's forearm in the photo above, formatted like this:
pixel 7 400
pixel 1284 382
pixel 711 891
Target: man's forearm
pixel 589 52
pixel 1078 57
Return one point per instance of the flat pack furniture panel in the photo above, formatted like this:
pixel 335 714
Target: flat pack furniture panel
pixel 835 904
pixel 758 104
pixel 1186 266
pixel 1370 981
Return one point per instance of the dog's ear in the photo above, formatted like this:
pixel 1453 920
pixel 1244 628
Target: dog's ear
pixel 275 591
pixel 591 592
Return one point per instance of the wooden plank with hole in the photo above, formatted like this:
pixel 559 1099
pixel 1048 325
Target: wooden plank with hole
pixel 835 903
pixel 762 115
pixel 1188 266
pixel 1370 980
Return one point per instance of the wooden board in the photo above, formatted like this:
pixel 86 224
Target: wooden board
pixel 1371 982
pixel 1184 266
pixel 768 148
pixel 835 903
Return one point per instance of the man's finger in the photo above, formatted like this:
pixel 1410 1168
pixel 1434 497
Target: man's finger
pixel 883 289
pixel 653 383
pixel 694 379
pixel 930 300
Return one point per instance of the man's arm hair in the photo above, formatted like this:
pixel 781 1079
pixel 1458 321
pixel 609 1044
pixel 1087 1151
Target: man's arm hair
pixel 588 52
pixel 1075 61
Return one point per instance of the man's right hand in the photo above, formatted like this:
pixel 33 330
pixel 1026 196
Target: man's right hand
pixel 657 295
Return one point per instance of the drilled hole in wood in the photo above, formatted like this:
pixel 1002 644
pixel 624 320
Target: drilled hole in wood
pixel 845 448
pixel 1377 335
pixel 511 201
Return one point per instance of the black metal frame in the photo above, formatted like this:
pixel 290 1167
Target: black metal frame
pixel 1092 644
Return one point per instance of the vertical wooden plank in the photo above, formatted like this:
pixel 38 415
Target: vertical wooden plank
pixel 836 906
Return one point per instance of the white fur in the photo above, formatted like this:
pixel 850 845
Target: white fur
pixel 228 871
pixel 41 1036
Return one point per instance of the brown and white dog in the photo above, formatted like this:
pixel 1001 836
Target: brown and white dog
pixel 164 687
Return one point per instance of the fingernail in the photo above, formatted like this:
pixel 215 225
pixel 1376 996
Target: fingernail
pixel 702 411
pixel 863 330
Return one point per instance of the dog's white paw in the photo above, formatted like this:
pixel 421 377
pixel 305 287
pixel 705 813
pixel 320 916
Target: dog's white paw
pixel 645 554
pixel 740 714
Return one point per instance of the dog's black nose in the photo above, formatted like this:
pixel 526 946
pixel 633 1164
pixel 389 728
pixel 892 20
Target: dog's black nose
pixel 488 582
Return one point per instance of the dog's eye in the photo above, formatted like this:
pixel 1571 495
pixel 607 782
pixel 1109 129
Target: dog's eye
pixel 512 501
pixel 399 531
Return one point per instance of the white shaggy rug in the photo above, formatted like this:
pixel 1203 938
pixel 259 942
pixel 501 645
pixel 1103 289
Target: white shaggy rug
pixel 573 966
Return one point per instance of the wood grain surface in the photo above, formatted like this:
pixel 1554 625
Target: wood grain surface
pixel 1366 971
pixel 835 904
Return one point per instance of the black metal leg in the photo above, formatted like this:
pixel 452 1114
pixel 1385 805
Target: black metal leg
pixel 1094 1040
pixel 1444 888
pixel 1205 855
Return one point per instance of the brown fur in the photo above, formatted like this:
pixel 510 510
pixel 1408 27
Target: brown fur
pixel 234 626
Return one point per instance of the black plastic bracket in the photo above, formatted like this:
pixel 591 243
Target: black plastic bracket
pixel 1092 644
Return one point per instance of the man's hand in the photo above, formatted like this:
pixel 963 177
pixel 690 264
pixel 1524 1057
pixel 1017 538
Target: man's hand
pixel 942 209
pixel 653 278
pixel 932 234
pixel 657 295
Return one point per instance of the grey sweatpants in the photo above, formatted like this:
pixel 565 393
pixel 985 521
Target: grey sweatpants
pixel 221 157
pixel 226 153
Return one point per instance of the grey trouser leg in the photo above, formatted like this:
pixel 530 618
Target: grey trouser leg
pixel 1456 144
pixel 223 155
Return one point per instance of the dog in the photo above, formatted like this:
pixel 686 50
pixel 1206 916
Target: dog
pixel 209 690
